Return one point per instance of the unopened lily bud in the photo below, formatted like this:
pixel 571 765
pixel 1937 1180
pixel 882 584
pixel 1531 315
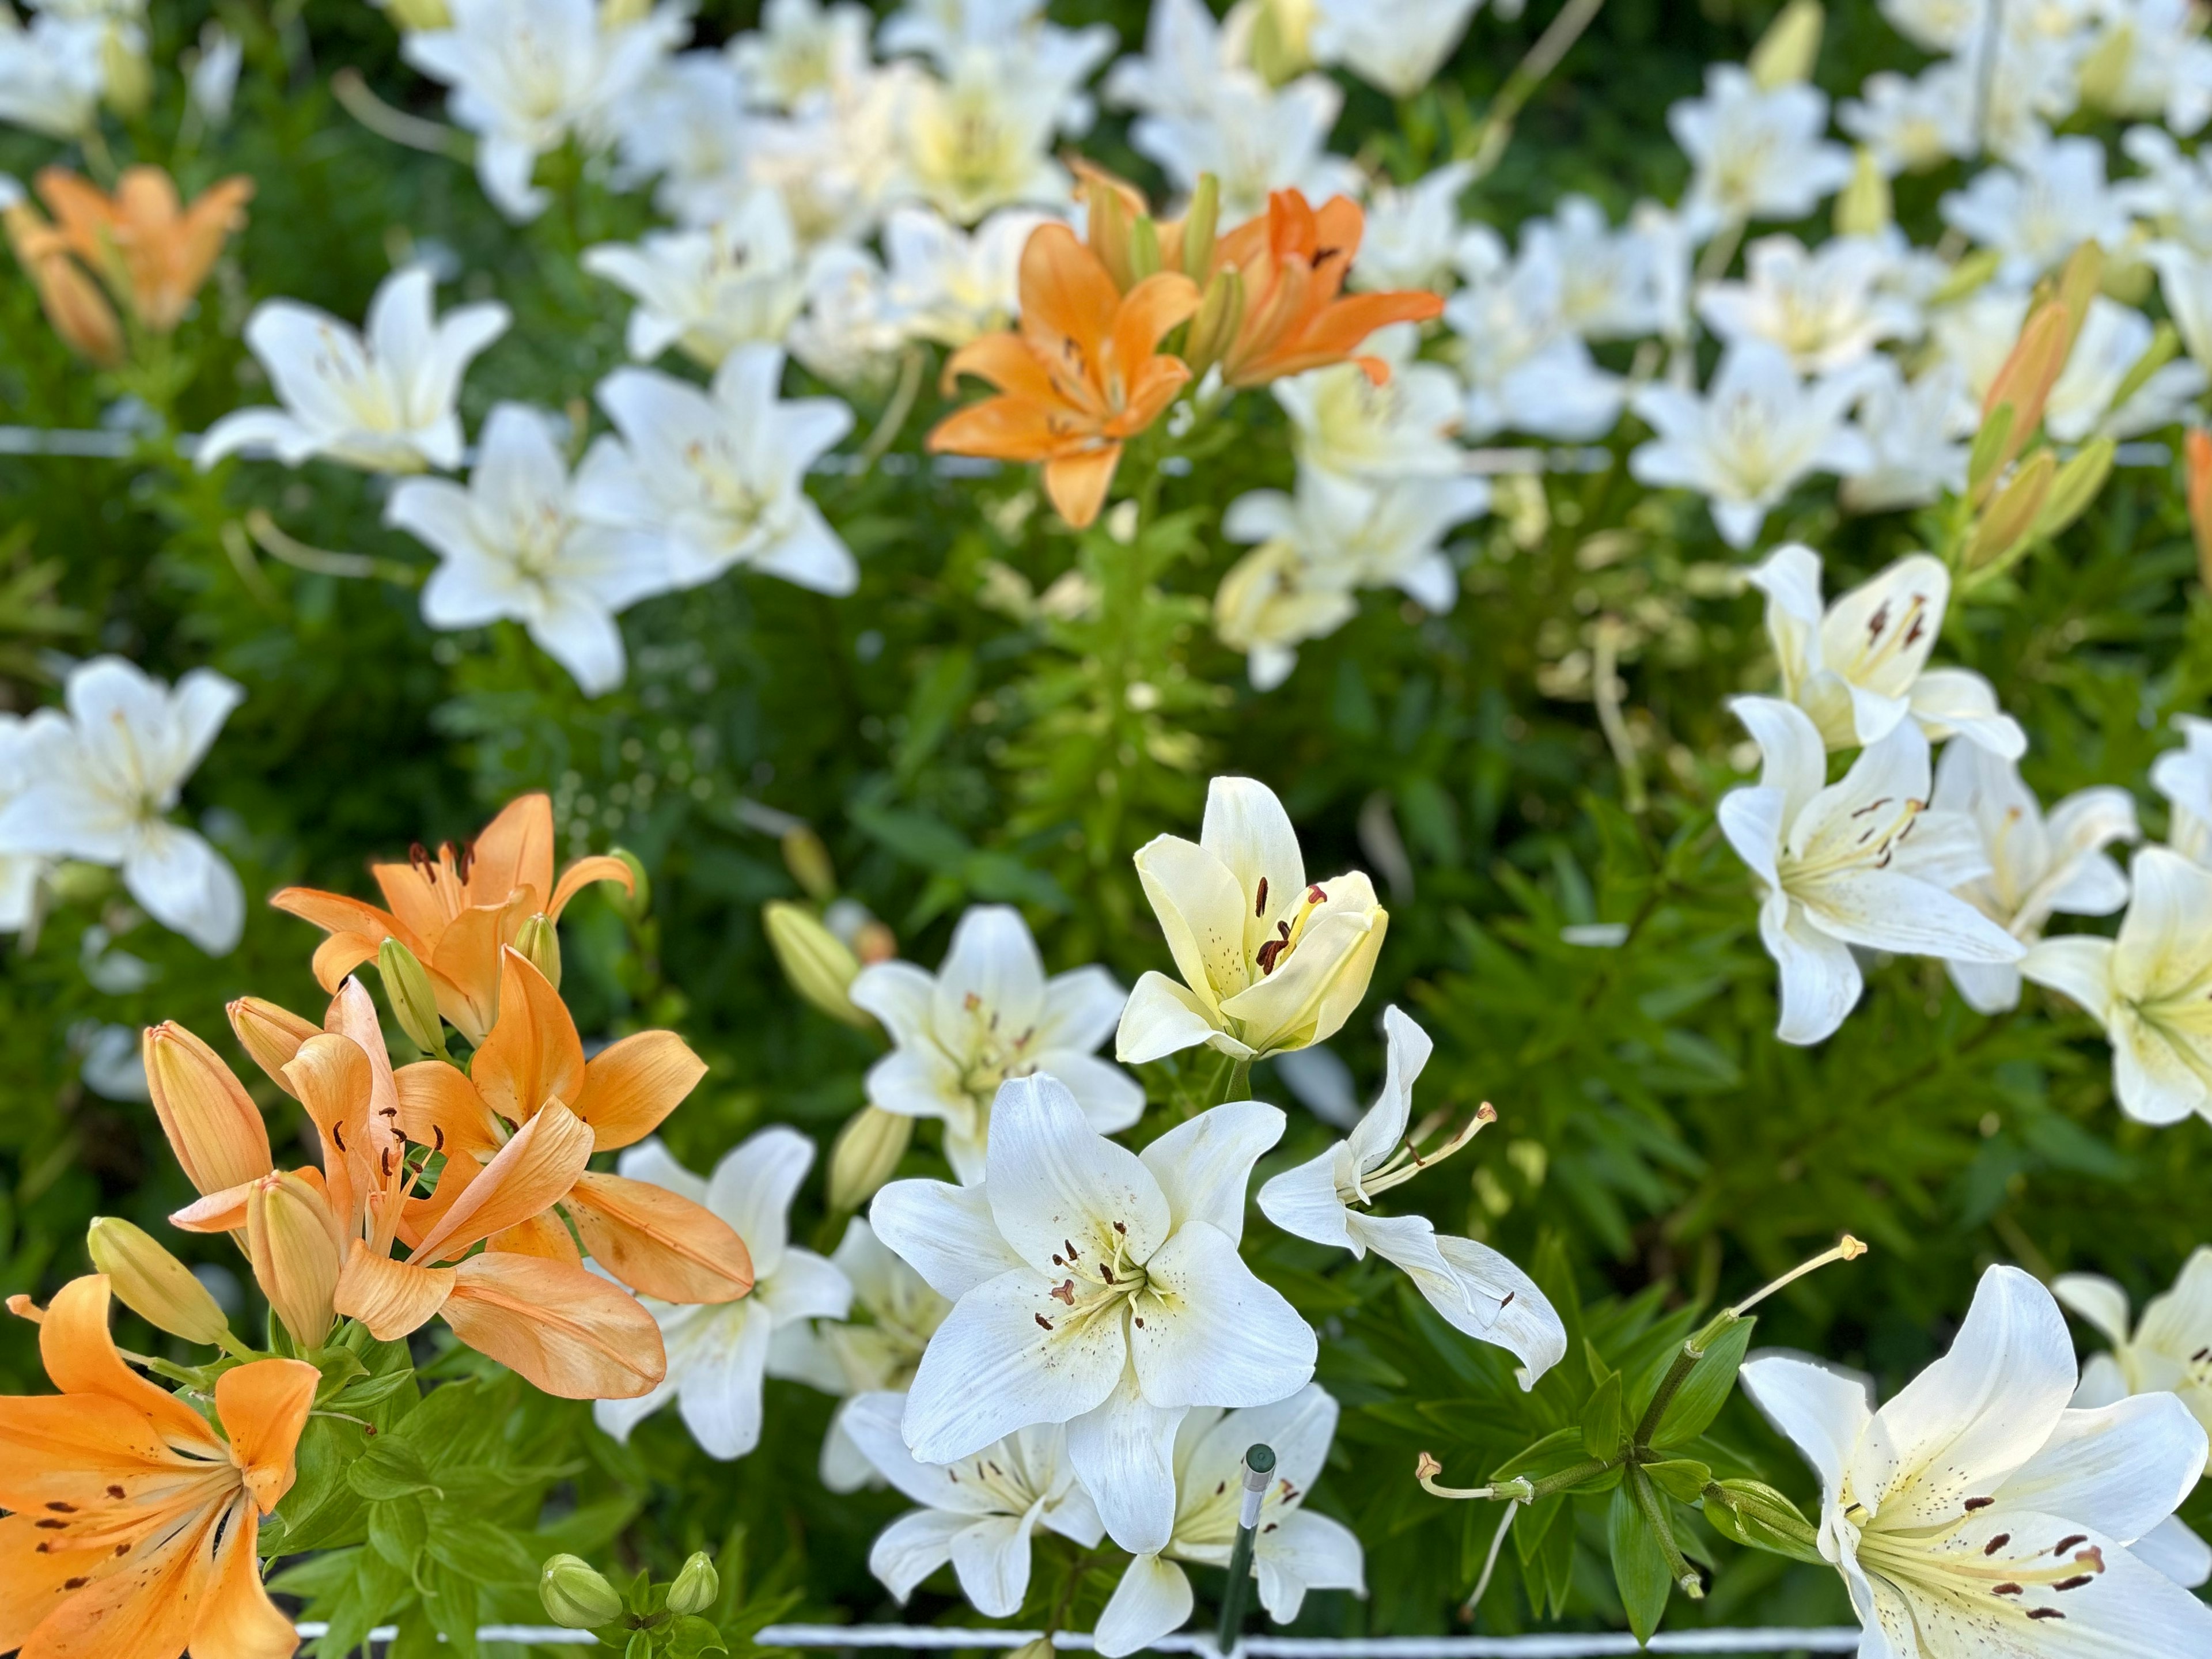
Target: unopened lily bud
pixel 128 82
pixel 1282 40
pixel 1109 233
pixel 292 1240
pixel 696 1586
pixel 212 1123
pixel 867 1155
pixel 1214 330
pixel 1786 53
pixel 1864 208
pixel 154 1284
pixel 2196 449
pixel 808 860
pixel 1040 1649
pixel 414 1002
pixel 74 304
pixel 874 942
pixel 419 14
pixel 270 1035
pixel 1144 248
pixel 2006 524
pixel 621 14
pixel 819 965
pixel 1199 221
pixel 2104 72
pixel 539 942
pixel 635 904
pixel 576 1595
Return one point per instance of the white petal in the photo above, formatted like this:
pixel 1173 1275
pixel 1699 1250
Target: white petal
pixel 1524 1321
pixel 2126 1610
pixel 1889 910
pixel 186 885
pixel 1081 1009
pixel 2172 1550
pixel 899 994
pixel 1405 1051
pixel 1111 1100
pixel 1820 981
pixel 1821 1411
pixel 872 1422
pixel 752 1188
pixel 992 1560
pixel 650 1160
pixel 1304 1550
pixel 913 1547
pixel 1153 1600
pixel 2078 967
pixel 804 1286
pixel 2098 1300
pixel 1795 761
pixel 1123 1452
pixel 2121 1468
pixel 1161 1018
pixel 718 1395
pixel 1990 987
pixel 944 1232
pixel 1053 1181
pixel 1006 1357
pixel 1304 1201
pixel 1203 1165
pixel 1214 1334
pixel 2103 1384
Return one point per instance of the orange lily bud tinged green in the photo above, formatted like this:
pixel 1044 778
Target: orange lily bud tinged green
pixel 1201 221
pixel 72 302
pixel 867 1155
pixel 212 1123
pixel 2013 513
pixel 1220 314
pixel 1109 235
pixel 2106 72
pixel 2196 451
pixel 413 1002
pixel 539 941
pixel 1144 248
pixel 577 1596
pixel 154 1284
pixel 697 1587
pixel 1785 54
pixel 292 1239
pixel 874 942
pixel 808 860
pixel 270 1036
pixel 2023 385
pixel 820 966
pixel 2076 485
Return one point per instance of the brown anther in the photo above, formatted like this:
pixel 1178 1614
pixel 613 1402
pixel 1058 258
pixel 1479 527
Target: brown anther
pixel 1260 904
pixel 2045 1613
pixel 1996 1543
pixel 1974 1504
pixel 1043 1323
pixel 2068 1543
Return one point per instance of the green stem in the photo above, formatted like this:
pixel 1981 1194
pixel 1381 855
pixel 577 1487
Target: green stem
pixel 1686 1361
pixel 1654 1515
pixel 1239 1085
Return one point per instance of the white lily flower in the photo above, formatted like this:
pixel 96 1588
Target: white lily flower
pixel 2146 988
pixel 1269 961
pixel 382 400
pixel 1911 123
pixel 2184 279
pixel 1341 421
pixel 1330 1199
pixel 716 479
pixel 1293 1549
pixel 1860 861
pixel 21 874
pixel 2151 60
pixel 1398 48
pixel 1827 308
pixel 709 291
pixel 2184 776
pixel 527 74
pixel 1096 1287
pixel 1057 58
pixel 1860 666
pixel 1975 1514
pixel 51 74
pixel 950 285
pixel 211 81
pixel 2112 340
pixel 978 1512
pixel 802 49
pixel 2168 1351
pixel 2038 212
pixel 718 1353
pixel 510 545
pixel 1386 532
pixel 982 138
pixel 988 1014
pixel 1524 370
pixel 1756 153
pixel 1254 139
pixel 2039 867
pixel 99 783
pixel 685 127
pixel 1609 284
pixel 851 331
pixel 1917 431
pixel 1755 433
pixel 1410 232
pixel 1187 58
pixel 2173 192
pixel 1274 599
pixel 835 160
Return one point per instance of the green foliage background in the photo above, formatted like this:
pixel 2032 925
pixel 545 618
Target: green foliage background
pixel 1658 1151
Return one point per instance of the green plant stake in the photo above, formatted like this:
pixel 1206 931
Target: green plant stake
pixel 1259 1465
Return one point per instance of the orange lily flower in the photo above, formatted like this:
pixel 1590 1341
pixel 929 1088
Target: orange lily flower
pixel 74 304
pixel 1082 376
pixel 152 251
pixel 1293 260
pixel 134 1523
pixel 455 911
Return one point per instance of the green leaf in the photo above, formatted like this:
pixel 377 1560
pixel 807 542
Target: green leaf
pixel 1603 1425
pixel 1706 1390
pixel 322 1510
pixel 691 1636
pixel 1639 1565
pixel 453 1602
pixel 1756 1516
pixel 1683 1478
pixel 399 1531
pixel 389 1468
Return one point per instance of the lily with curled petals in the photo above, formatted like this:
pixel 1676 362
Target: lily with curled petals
pixel 719 1354
pixel 1082 376
pixel 1096 1287
pixel 979 1513
pixel 456 910
pixel 135 1522
pixel 2039 867
pixel 2147 987
pixel 1860 861
pixel 1294 1551
pixel 1861 665
pixel 1329 1199
pixel 987 1015
pixel 1975 1514
pixel 150 251
pixel 1269 961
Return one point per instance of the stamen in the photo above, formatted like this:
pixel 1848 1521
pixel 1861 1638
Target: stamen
pixel 1426 1469
pixel 1846 1250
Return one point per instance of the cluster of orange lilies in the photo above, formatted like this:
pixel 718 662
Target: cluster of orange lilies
pixel 1083 371
pixel 443 1190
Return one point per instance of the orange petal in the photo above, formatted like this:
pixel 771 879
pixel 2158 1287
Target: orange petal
pixel 532 1172
pixel 355 930
pixel 464 963
pixel 270 1035
pixel 1006 429
pixel 542 1235
pixel 34 1575
pixel 531 1054
pixel 217 1212
pixel 262 1406
pixel 582 874
pixel 441 1109
pixel 1005 361
pixel 235 1619
pixel 353 1014
pixel 514 851
pixel 393 1298
pixel 659 1242
pixel 564 1329
pixel 1067 294
pixel 143 1606
pixel 1152 390
pixel 631 1085
pixel 331 1078
pixel 417 907
pixel 1077 483
pixel 293 1241
pixel 1148 311
pixel 79 1357
pixel 213 1125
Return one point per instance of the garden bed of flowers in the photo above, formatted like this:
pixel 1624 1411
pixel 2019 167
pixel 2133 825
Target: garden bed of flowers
pixel 1356 818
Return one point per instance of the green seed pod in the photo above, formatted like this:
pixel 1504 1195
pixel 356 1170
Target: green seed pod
pixel 576 1595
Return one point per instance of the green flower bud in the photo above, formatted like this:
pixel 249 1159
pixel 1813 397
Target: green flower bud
pixel 696 1588
pixel 808 860
pixel 633 905
pixel 154 1284
pixel 867 1155
pixel 413 1004
pixel 576 1595
pixel 819 964
pixel 540 942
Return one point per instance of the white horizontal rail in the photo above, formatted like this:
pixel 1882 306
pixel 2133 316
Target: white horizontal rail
pixel 916 1639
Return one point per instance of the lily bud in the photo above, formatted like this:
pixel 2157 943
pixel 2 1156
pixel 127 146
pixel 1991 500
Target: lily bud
pixel 1144 248
pixel 2197 450
pixel 1786 53
pixel 808 860
pixel 577 1596
pixel 1282 40
pixel 1199 221
pixel 696 1586
pixel 2007 524
pixel 634 905
pixel 154 1284
pixel 819 964
pixel 419 14
pixel 1108 234
pixel 1864 208
pixel 270 1035
pixel 867 1155
pixel 292 1239
pixel 874 942
pixel 539 942
pixel 2103 74
pixel 74 304
pixel 621 14
pixel 1214 330
pixel 129 82
pixel 1040 1649
pixel 414 1002
pixel 213 1125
